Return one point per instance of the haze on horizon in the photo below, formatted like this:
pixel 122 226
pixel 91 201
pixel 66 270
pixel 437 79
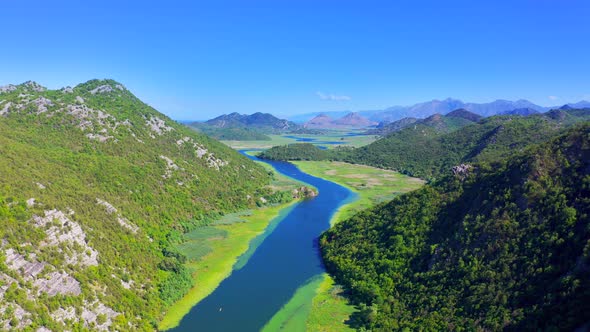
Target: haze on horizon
pixel 199 60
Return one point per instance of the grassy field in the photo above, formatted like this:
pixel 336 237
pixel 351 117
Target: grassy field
pixel 319 305
pixel 293 315
pixel 331 136
pixel 374 185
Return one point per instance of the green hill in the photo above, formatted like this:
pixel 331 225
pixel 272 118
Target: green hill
pixel 424 152
pixel 96 188
pixel 430 148
pixel 494 246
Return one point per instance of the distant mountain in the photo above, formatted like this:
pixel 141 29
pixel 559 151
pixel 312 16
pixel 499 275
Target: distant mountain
pixel 462 113
pixel 302 118
pixel 441 123
pixel 352 119
pixel 265 122
pixel 432 146
pixel 426 109
pixel 580 104
pixel 243 127
pixel 520 111
pixel 320 121
pixel 423 110
pixel 387 128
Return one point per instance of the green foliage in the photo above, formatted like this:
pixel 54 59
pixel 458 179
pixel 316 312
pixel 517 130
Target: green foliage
pixel 296 151
pixel 501 246
pixel 48 156
pixel 430 148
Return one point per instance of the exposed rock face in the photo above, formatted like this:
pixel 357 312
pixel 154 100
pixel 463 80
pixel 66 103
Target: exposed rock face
pixel 58 283
pixel 101 89
pixel 201 152
pixel 158 125
pixel 34 86
pixel 65 231
pixel 170 166
pixel 461 171
pixel 110 209
pixel 6 108
pixel 23 318
pixel 52 284
pixel 7 88
pixel 89 315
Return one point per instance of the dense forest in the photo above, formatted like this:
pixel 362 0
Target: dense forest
pixel 96 188
pixel 501 244
pixel 427 151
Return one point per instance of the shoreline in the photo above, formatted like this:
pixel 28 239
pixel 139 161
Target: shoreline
pixel 323 308
pixel 216 266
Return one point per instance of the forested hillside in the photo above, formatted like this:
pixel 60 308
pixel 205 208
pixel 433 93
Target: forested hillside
pixel 427 151
pixel 500 245
pixel 96 187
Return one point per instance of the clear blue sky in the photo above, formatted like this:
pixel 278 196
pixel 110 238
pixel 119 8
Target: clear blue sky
pixel 197 59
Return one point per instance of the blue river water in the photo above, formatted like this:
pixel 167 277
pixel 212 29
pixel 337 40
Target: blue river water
pixel 286 259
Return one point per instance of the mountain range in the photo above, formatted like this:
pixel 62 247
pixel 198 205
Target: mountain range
pixel 442 123
pixel 350 120
pixel 425 109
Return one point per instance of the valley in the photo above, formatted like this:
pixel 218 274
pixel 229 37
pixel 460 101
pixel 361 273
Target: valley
pixel 294 166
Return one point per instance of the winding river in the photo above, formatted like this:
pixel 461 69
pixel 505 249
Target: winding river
pixel 286 259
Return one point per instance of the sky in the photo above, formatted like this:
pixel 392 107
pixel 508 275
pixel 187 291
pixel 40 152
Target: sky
pixel 193 60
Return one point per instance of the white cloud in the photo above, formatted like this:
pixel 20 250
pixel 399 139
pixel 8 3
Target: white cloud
pixel 553 97
pixel 329 96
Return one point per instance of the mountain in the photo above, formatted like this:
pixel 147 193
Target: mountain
pixel 580 104
pixel 320 121
pixel 97 188
pixel 423 110
pixel 264 122
pixel 350 120
pixel 521 111
pixel 489 247
pixel 462 113
pixel 384 128
pixel 430 147
pixel 302 118
pixel 426 151
pixel 243 127
pixel 354 120
pixel 426 109
pixel 441 123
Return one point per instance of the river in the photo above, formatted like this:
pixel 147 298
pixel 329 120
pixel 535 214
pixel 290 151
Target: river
pixel 286 259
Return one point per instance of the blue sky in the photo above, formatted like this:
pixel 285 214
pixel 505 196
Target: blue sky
pixel 198 59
